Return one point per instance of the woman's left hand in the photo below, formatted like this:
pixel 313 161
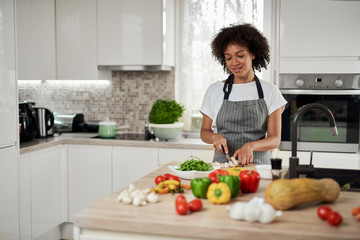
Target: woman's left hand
pixel 244 154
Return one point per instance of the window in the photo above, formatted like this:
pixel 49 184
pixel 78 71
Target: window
pixel 199 21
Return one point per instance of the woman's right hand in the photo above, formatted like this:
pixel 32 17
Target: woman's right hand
pixel 219 143
pixel 208 136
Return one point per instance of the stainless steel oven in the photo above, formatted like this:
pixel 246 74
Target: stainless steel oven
pixel 340 93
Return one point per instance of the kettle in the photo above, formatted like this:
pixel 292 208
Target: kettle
pixel 27 119
pixel 45 122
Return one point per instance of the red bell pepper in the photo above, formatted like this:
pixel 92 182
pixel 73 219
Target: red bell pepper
pixel 249 181
pixel 171 177
pixel 213 175
pixel 166 176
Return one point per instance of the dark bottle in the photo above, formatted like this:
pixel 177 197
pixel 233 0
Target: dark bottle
pixel 275 168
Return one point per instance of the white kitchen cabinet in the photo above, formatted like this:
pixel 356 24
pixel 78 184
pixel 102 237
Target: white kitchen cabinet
pixel 167 155
pixel 9 136
pixel 9 208
pixel 25 196
pixel 319 36
pixel 89 175
pixel 41 197
pixel 76 40
pixel 9 118
pixel 205 155
pixel 36 50
pixel 131 164
pixel 139 32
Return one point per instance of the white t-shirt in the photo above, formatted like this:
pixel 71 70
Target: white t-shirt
pixel 214 97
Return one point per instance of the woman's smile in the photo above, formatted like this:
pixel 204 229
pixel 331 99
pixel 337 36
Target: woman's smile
pixel 239 61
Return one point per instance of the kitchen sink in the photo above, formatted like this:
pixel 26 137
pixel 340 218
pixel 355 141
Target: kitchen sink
pixel 342 176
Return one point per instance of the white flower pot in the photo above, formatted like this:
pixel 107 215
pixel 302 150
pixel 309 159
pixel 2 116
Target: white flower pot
pixel 167 131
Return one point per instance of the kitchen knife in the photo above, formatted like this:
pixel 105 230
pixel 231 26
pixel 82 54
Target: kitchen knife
pixel 227 155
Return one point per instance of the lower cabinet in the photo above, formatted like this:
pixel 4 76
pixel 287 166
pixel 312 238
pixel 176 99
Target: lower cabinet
pixel 89 175
pixel 205 155
pixel 40 192
pixel 9 189
pixel 131 164
pixel 57 182
pixel 176 154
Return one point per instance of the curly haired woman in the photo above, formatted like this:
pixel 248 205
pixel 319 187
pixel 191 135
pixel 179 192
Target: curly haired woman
pixel 242 114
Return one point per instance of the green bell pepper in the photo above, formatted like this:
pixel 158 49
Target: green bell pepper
pixel 233 182
pixel 199 186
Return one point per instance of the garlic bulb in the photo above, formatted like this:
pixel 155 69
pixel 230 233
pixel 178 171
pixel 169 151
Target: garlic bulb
pixel 252 211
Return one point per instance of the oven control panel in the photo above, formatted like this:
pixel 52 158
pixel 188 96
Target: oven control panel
pixel 321 81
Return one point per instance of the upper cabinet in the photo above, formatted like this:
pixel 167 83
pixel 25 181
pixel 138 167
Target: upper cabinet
pixel 135 33
pixel 319 36
pixel 36 49
pixel 76 44
pixel 72 39
pixel 8 91
pixel 76 39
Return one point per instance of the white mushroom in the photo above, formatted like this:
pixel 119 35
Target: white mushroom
pixel 127 200
pixel 152 197
pixel 136 201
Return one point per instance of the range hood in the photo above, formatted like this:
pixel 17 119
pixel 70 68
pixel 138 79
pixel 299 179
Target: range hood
pixel 131 39
pixel 136 67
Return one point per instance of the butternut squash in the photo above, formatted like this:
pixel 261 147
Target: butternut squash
pixel 284 194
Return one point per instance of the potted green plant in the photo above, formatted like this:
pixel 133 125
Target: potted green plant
pixel 164 117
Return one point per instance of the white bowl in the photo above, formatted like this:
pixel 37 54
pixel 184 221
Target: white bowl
pixel 190 174
pixel 167 131
pixel 264 171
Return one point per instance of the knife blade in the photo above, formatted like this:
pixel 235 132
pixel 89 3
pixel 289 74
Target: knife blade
pixel 227 156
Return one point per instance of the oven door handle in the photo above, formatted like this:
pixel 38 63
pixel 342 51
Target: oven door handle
pixel 319 92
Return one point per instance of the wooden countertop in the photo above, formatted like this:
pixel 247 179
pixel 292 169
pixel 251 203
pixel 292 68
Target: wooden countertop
pixel 87 139
pixel 213 222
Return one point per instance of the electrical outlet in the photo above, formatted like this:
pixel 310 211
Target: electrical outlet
pixel 80 95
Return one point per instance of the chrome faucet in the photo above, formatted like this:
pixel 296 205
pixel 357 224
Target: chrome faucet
pixel 295 169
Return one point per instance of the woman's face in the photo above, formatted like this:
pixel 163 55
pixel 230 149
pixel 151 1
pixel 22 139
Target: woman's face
pixel 239 61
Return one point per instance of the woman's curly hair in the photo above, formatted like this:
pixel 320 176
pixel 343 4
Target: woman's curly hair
pixel 245 35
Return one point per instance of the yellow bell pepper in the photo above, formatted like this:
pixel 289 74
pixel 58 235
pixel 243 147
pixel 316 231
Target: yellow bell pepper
pixel 235 171
pixel 168 182
pixel 218 193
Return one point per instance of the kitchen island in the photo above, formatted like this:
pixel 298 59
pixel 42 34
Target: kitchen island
pixel 108 219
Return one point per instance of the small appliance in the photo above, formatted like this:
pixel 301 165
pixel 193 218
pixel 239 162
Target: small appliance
pixel 27 119
pixel 44 123
pixel 73 122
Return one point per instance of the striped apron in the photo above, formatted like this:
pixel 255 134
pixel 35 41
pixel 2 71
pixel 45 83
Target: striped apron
pixel 241 122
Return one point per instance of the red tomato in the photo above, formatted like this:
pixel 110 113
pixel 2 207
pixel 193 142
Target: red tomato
pixel 334 218
pixel 179 199
pixel 159 179
pixel 195 205
pixel 181 205
pixel 323 212
pixel 182 208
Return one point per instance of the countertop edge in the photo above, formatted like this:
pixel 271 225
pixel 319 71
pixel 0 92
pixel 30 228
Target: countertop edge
pixel 182 143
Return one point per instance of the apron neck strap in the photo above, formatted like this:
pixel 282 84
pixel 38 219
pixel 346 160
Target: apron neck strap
pixel 228 86
pixel 229 82
pixel 259 88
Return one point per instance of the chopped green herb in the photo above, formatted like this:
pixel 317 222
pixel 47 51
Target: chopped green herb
pixel 195 163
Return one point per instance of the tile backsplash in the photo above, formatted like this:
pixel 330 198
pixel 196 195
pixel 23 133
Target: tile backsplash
pixel 126 99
